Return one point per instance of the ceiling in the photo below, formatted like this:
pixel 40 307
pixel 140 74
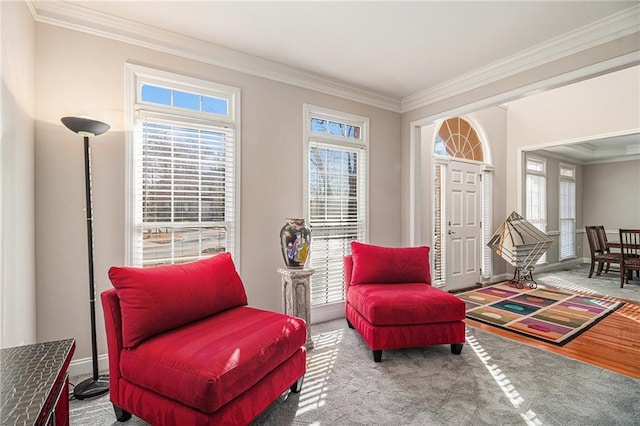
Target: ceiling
pixel 616 148
pixel 395 49
pixel 398 51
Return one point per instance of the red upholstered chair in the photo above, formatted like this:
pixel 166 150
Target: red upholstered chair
pixel 185 349
pixel 390 300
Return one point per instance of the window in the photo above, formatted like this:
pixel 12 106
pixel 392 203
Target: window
pixel 183 168
pixel 536 191
pixel 487 216
pixel 458 139
pixel 336 182
pixel 567 211
pixel 438 251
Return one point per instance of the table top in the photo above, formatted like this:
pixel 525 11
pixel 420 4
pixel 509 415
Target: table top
pixel 29 377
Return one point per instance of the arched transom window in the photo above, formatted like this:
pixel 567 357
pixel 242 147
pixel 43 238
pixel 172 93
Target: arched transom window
pixel 457 138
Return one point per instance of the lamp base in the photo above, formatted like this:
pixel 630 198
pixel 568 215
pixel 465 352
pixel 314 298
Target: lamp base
pixel 90 388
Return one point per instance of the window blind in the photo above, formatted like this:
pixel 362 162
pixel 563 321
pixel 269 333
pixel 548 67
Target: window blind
pixel 567 218
pixel 337 213
pixel 439 267
pixel 487 215
pixel 536 209
pixel 185 201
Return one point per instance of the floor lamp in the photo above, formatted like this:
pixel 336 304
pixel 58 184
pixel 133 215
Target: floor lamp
pixel 96 385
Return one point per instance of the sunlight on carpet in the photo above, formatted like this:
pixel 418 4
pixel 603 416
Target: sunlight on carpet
pixel 562 283
pixel 503 382
pixel 631 311
pixel 319 367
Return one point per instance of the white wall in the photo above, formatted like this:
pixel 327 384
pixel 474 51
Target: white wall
pixel 613 195
pixel 17 293
pixel 602 106
pixel 83 74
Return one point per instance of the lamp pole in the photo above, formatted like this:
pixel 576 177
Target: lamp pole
pixel 96 385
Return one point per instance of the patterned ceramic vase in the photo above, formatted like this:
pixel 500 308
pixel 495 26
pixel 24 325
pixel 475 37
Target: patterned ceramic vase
pixel 295 238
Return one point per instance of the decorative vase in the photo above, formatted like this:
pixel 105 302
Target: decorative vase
pixel 295 238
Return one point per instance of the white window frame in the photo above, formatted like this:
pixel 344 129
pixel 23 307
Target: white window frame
pixel 542 174
pixel 567 243
pixel 332 310
pixel 135 77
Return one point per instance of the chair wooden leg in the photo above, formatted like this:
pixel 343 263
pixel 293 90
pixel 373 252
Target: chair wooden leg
pixel 377 355
pixel 622 275
pixel 349 324
pixel 606 268
pixel 591 269
pixel 600 265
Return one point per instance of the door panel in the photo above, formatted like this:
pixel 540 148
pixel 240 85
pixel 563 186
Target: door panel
pixel 464 234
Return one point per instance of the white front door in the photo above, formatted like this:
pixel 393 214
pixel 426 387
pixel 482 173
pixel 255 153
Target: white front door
pixel 461 225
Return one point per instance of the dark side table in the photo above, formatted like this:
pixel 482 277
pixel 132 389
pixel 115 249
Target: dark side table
pixel 35 384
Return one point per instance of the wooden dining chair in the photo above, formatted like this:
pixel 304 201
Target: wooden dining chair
pixel 630 248
pixel 600 251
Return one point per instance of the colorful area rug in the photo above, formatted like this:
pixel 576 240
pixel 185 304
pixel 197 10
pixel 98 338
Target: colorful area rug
pixel 549 314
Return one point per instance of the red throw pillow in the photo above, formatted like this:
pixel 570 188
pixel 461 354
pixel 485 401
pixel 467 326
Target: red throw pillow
pixel 161 298
pixel 387 265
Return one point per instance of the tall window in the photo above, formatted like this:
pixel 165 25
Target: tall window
pixel 536 190
pixel 438 275
pixel 336 150
pixel 182 168
pixel 487 217
pixel 567 211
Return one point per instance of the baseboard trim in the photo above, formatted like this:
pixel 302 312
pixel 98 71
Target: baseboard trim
pixel 327 312
pixel 538 268
pixel 84 366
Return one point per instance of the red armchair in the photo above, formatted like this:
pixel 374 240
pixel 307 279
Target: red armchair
pixel 184 349
pixel 390 300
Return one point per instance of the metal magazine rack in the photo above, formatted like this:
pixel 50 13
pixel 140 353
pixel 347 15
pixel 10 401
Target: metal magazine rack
pixel 521 244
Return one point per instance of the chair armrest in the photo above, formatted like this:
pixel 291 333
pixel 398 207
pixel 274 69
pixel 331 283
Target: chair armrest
pixel 113 327
pixel 348 270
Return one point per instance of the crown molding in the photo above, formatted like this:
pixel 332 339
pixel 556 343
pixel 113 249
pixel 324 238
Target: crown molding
pixel 605 30
pixel 78 18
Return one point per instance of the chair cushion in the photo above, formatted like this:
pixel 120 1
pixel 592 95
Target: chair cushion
pixel 375 264
pixel 212 361
pixel 632 262
pixel 405 304
pixel 154 300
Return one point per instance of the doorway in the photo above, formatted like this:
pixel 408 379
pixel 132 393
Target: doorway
pixel 461 205
pixel 463 225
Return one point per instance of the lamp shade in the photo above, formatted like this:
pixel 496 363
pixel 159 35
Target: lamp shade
pixel 519 242
pixel 85 126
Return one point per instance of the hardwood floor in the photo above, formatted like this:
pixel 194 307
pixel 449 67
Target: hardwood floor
pixel 613 343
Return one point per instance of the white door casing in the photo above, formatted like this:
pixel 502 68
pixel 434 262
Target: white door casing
pixel 462 225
